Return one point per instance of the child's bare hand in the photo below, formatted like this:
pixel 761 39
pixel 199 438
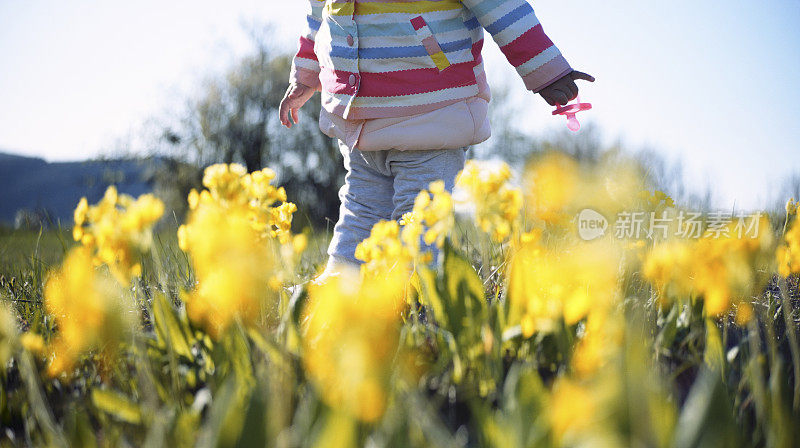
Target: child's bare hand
pixel 296 95
pixel 564 90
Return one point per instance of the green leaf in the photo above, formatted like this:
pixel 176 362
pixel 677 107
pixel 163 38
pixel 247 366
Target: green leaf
pixel 464 297
pixel 168 327
pixel 232 355
pixel 116 405
pixel 223 425
pixel 669 328
pixel 297 302
pixel 714 355
pixel 706 419
pixel 430 296
pixel 464 282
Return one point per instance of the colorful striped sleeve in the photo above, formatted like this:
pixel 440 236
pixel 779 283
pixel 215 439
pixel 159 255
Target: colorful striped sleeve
pixel 305 66
pixel 515 28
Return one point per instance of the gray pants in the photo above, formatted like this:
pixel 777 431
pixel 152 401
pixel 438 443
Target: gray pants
pixel 382 185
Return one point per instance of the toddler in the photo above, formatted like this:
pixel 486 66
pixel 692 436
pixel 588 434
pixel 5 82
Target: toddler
pixel 405 93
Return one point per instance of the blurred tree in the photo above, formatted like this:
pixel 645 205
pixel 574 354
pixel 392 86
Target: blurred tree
pixel 234 119
pixel 172 180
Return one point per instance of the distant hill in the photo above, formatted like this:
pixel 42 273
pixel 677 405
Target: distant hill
pixel 34 185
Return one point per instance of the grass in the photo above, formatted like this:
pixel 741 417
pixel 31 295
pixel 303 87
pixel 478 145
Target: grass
pixel 21 250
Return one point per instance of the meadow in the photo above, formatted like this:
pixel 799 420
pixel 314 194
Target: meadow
pixel 522 332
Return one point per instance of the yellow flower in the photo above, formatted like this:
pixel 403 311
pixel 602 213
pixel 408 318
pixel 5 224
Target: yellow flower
pixel 497 206
pixel 193 199
pixel 722 270
pixel 32 342
pixel 117 230
pixel 788 254
pixel 412 231
pixel 566 282
pixel 573 409
pixel 231 187
pixel 556 187
pixel 435 210
pixel 669 267
pixel 238 236
pixel 233 265
pixel 299 243
pixel 744 313
pixel 225 182
pixel 80 212
pixel 89 309
pixel 351 335
pixel 392 248
pixel 551 186
pixel 601 341
pixel 383 250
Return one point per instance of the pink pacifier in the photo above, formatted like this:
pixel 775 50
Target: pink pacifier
pixel 570 110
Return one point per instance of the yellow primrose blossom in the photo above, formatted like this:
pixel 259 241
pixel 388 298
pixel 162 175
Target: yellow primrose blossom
pixel 351 335
pixel 551 185
pixel 788 254
pixel 383 250
pixel 32 342
pixel 573 409
pixel 669 267
pixel 547 284
pixel 601 341
pixel 497 206
pixel 224 182
pixel 389 246
pixel 233 267
pixel 230 236
pixel 231 187
pixel 434 209
pixel 412 231
pixel 556 187
pixel 723 269
pixel 89 309
pixel 117 230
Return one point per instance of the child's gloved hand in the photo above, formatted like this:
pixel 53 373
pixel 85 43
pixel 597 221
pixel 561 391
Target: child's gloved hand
pixel 564 90
pixel 296 95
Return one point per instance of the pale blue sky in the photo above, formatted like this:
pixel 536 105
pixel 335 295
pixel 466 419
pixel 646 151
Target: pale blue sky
pixel 709 82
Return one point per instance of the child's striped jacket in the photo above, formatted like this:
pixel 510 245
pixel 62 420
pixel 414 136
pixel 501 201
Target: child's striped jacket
pixel 396 58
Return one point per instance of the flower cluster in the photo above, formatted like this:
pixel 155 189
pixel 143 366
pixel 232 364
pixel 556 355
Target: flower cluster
pixel 231 187
pixel 384 251
pixel 725 273
pixel 551 184
pixel 556 187
pixel 788 254
pixel 117 230
pixel 429 222
pixel 235 236
pixel 233 268
pixel 497 206
pixel 89 308
pixel 567 282
pixel 434 209
pixel 351 335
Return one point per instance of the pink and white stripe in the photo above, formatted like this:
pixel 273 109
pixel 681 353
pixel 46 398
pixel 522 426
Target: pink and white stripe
pixel 378 58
